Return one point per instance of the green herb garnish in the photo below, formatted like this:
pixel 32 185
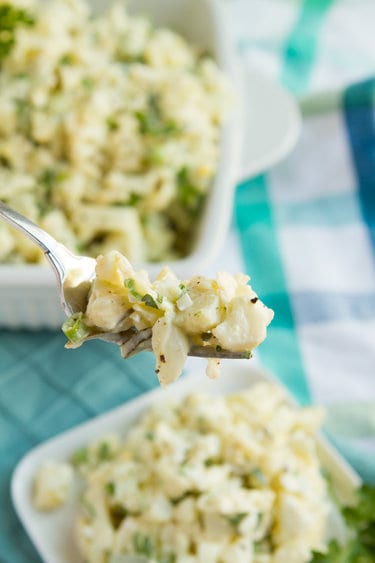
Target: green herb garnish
pixel 80 457
pixel 149 301
pixel 75 328
pixel 87 83
pixel 235 519
pixel 112 123
pixel 129 283
pixel 66 59
pixel 187 194
pixel 134 199
pixel 104 451
pixel 258 476
pixel 11 18
pixel 360 520
pixel 117 514
pixel 142 545
pixel 110 488
pixel 152 121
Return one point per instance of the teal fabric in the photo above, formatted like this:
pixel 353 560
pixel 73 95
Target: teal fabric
pixel 46 389
pixel 258 234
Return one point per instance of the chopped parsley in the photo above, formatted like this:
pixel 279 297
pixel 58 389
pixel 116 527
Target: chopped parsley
pixel 11 18
pixel 360 519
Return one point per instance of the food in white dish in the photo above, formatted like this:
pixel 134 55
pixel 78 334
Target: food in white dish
pixel 109 130
pixel 225 479
pixel 222 313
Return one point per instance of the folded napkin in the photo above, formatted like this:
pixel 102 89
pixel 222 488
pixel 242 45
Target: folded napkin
pixel 304 231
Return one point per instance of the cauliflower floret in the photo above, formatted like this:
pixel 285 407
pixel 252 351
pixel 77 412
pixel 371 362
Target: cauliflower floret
pixel 171 347
pixel 52 485
pixel 244 326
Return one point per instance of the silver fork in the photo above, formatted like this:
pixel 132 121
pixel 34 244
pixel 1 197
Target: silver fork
pixel 74 276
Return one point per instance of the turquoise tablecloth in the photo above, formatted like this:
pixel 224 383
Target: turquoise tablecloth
pixel 306 235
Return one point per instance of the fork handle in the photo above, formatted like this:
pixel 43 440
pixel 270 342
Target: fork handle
pixel 51 248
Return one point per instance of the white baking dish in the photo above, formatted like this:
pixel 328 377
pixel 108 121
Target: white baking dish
pixel 52 533
pixel 261 131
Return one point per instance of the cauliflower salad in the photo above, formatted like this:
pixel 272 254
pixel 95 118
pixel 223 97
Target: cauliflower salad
pixel 169 316
pixel 109 130
pixel 202 479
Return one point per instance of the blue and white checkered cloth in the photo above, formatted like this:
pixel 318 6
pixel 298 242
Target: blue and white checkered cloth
pixel 304 231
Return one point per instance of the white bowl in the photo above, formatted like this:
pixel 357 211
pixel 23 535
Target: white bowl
pixel 52 533
pixel 262 130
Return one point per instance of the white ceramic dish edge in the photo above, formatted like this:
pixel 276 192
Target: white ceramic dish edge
pixel 52 533
pixel 28 297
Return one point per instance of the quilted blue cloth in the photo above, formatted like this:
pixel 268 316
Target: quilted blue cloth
pixel 305 232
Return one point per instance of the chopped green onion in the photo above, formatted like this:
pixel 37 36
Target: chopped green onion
pixel 104 451
pixel 142 545
pixel 112 123
pixel 188 195
pixel 133 199
pixel 149 301
pixel 75 328
pixel 152 121
pixel 235 519
pixel 110 488
pixel 129 283
pixel 10 18
pixel 80 457
pixel 66 59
